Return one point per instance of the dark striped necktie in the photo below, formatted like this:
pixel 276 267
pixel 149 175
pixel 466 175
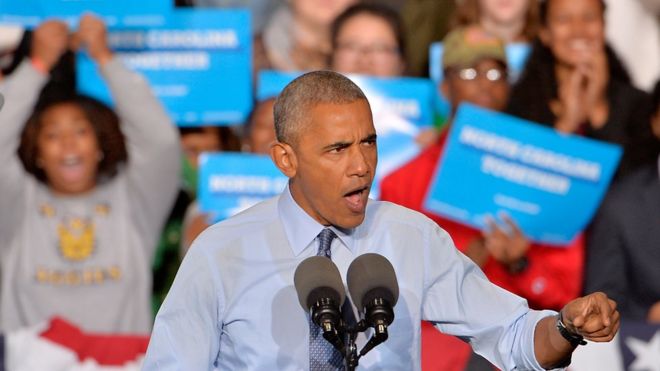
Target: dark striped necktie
pixel 322 355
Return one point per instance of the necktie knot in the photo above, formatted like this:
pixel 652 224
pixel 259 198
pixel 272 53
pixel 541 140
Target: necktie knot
pixel 325 241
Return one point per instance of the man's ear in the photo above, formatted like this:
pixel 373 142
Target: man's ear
pixel 284 158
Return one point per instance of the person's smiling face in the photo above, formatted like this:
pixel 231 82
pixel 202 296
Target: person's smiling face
pixel 574 30
pixel 68 149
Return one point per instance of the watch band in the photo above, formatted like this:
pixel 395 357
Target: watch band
pixel 574 339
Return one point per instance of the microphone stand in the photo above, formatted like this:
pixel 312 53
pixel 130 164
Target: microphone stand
pixel 351 356
pixel 379 318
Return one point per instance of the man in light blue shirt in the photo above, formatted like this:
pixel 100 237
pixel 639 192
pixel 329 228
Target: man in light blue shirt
pixel 233 304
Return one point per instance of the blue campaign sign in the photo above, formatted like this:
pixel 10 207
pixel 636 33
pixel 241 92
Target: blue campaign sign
pixel 516 56
pixel 115 13
pixel 198 63
pixel 402 109
pixel 549 183
pixel 271 83
pixel 232 182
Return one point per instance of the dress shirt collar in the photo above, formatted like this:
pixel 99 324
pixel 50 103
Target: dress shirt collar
pixel 301 229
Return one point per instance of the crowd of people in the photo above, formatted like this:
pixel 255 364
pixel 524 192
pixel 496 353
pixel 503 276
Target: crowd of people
pixel 93 229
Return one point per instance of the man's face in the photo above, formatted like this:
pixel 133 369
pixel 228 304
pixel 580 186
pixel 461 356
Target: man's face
pixel 335 163
pixel 484 85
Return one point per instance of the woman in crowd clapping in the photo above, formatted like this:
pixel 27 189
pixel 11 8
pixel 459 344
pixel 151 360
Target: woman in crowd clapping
pixel 575 83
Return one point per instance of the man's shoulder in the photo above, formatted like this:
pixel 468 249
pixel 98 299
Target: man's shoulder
pixel 406 224
pixel 246 223
pixel 386 211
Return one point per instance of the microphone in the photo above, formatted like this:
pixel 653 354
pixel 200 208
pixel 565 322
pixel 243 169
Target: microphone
pixel 321 293
pixel 374 289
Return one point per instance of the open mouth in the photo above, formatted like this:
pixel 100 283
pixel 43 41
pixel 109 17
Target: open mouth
pixel 357 199
pixel 72 168
pixel 71 160
pixel 581 46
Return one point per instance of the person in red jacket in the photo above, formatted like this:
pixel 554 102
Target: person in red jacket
pixel 475 71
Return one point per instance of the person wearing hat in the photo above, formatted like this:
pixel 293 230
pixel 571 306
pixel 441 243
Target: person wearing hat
pixel 475 71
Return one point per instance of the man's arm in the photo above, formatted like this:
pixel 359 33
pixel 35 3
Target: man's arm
pixel 188 327
pixel 459 300
pixel 593 317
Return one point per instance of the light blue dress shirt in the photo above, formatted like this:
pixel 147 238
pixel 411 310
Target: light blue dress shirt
pixel 233 304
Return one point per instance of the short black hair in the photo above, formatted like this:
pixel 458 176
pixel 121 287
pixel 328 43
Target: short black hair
pixel 293 104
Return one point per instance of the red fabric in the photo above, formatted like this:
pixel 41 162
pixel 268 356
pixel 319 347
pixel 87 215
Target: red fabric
pixel 441 352
pixel 108 350
pixel 553 277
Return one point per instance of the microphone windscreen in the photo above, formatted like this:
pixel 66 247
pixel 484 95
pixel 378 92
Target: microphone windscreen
pixel 372 274
pixel 318 277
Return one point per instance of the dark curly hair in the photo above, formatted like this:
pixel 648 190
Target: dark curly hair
pixel 105 124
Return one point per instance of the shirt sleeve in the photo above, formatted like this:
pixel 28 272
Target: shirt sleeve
pixel 186 334
pixel 459 300
pixel 21 90
pixel 152 142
